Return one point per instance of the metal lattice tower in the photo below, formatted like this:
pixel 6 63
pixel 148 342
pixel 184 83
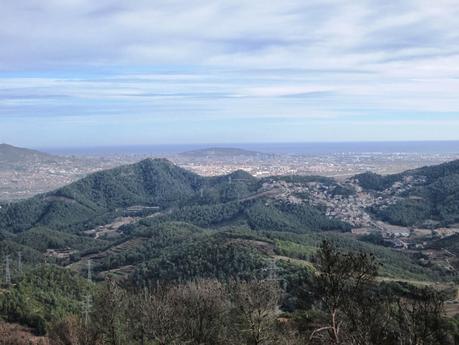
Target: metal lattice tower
pixel 87 305
pixel 7 270
pixel 89 271
pixel 272 270
pixel 20 264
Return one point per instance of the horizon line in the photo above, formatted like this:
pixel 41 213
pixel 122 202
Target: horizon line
pixel 217 144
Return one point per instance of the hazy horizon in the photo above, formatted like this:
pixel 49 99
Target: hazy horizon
pixel 441 146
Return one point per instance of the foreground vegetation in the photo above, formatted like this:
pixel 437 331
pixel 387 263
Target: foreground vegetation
pixel 341 303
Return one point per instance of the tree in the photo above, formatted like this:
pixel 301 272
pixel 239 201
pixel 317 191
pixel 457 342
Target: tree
pixel 256 308
pixel 341 280
pixel 359 312
pixel 201 310
pixel 73 331
pixel 109 313
pixel 151 317
pixel 422 318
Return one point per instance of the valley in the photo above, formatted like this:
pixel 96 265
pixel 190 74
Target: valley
pixel 298 204
pixel 25 173
pixel 155 223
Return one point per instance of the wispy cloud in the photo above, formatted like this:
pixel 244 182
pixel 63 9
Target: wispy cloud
pixel 238 61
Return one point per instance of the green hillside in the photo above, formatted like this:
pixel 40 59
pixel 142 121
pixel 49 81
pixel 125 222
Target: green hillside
pixel 148 183
pixel 186 224
pixel 43 295
pixel 434 195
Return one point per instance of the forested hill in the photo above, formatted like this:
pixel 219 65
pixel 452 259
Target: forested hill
pixel 372 181
pixel 134 215
pixel 158 186
pixel 112 213
pixel 426 194
pixel 149 183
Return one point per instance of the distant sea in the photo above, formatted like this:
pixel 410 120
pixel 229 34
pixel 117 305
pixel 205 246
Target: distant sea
pixel 431 147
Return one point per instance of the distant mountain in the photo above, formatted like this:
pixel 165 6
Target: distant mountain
pixel 225 152
pixel 17 155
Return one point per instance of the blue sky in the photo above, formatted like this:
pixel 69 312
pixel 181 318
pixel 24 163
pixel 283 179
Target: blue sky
pixel 90 73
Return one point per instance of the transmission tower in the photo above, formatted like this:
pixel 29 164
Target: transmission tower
pixel 20 264
pixel 272 270
pixel 7 270
pixel 89 271
pixel 273 274
pixel 87 305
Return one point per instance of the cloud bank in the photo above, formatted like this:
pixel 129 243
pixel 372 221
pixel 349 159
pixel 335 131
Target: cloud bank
pixel 229 70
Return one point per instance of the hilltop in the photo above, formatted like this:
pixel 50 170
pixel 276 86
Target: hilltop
pixel 148 183
pixel 12 155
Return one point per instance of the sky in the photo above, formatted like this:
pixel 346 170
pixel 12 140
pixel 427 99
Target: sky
pixel 111 72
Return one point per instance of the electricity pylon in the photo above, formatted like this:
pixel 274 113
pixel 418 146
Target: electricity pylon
pixel 87 303
pixel 20 264
pixel 89 271
pixel 7 270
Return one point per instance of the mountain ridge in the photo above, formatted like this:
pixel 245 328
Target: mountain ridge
pixel 10 154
